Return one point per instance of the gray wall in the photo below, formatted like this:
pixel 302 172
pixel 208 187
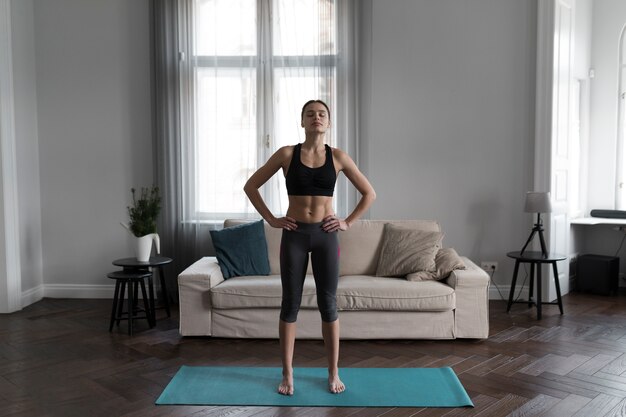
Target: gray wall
pixel 93 89
pixel 27 148
pixel 448 134
pixel 450 128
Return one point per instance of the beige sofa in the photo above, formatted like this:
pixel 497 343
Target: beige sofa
pixel 370 307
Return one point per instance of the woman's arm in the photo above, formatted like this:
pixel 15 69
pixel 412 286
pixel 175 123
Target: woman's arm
pixel 360 182
pixel 260 177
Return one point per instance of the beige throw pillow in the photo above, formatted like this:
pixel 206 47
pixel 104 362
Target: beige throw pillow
pixel 446 261
pixel 407 250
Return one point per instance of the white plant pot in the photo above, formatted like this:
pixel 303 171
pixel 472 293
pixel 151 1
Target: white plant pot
pixel 143 246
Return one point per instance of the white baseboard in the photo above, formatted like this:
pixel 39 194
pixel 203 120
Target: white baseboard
pixel 78 291
pixel 504 289
pixel 68 291
pixel 32 296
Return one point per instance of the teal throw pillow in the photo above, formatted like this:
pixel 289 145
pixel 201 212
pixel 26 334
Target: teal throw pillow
pixel 241 250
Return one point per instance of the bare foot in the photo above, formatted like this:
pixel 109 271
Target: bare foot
pixel 335 385
pixel 286 386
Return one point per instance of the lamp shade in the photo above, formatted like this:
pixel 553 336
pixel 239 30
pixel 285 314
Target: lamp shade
pixel 538 202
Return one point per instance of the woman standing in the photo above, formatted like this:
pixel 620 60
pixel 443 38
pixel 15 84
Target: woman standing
pixel 310 170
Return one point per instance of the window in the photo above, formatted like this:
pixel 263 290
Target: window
pixel 254 63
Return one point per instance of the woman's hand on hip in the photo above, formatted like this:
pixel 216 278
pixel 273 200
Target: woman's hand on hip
pixel 332 223
pixel 286 223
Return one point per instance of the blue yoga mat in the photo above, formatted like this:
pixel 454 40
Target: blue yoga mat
pixel 365 387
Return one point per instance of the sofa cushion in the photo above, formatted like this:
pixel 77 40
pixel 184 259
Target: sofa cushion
pixel 446 261
pixel 258 291
pixel 407 250
pixel 353 293
pixel 359 292
pixel 241 250
pixel 361 243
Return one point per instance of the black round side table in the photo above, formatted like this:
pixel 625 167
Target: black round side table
pixel 535 259
pixel 134 280
pixel 132 264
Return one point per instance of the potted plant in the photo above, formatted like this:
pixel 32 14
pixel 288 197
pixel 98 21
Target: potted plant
pixel 143 215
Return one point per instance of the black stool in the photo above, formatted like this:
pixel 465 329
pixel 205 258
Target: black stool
pixel 134 279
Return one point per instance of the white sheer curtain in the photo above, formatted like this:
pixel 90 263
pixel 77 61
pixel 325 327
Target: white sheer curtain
pixel 303 67
pixel 223 64
pixel 230 78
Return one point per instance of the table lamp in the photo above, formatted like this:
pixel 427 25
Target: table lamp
pixel 537 202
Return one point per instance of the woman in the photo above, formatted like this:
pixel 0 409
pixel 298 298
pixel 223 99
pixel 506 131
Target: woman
pixel 310 170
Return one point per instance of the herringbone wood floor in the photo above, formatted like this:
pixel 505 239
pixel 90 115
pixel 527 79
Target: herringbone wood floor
pixel 58 359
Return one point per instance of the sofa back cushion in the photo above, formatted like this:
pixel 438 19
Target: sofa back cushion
pixel 359 246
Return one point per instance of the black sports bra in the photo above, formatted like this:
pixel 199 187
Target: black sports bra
pixel 303 180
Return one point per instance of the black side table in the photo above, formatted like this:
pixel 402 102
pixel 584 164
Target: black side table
pixel 535 259
pixel 132 264
pixel 133 279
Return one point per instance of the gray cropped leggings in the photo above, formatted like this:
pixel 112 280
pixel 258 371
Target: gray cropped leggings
pixel 294 258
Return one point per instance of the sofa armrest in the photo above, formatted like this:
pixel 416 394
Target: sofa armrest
pixel 205 270
pixel 194 297
pixel 471 287
pixel 471 276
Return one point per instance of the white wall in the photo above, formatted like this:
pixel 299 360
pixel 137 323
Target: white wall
pixel 27 149
pixel 6 304
pixel 583 27
pixel 450 130
pixel 93 89
pixel 609 17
